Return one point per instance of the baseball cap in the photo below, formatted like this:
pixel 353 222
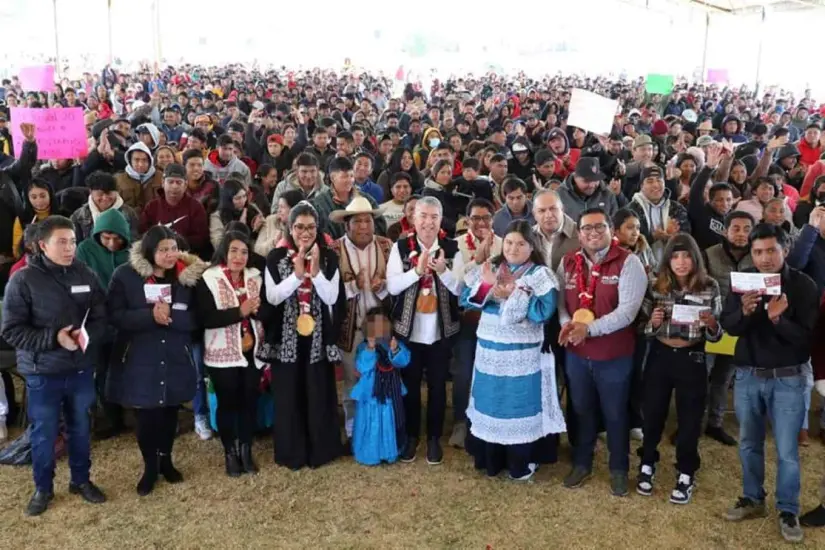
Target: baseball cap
pixel 704 141
pixel 275 138
pixel 174 170
pixel 652 172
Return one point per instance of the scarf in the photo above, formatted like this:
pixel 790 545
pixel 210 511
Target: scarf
pixel 96 213
pixel 388 384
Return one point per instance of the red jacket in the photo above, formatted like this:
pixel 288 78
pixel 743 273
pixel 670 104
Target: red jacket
pixel 187 218
pixel 808 155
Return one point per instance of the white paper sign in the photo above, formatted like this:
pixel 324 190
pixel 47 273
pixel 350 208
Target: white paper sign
pixel 592 112
pixel 763 283
pixel 686 315
pixel 83 336
pixel 157 293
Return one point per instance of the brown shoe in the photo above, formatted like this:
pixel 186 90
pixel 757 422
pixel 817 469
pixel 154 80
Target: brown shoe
pixel 803 439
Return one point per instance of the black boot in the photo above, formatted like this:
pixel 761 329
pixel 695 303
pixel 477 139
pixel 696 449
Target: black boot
pixel 168 470
pixel 150 476
pixel 247 461
pixel 233 461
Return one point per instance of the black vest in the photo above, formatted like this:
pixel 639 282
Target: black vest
pixel 403 310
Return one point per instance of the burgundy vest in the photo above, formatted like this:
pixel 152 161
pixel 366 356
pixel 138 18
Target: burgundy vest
pixel 606 298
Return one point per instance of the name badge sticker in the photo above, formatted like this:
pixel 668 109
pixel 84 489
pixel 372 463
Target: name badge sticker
pixel 81 289
pixel 180 307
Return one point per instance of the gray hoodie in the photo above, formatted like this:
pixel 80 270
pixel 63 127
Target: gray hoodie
pixel 290 182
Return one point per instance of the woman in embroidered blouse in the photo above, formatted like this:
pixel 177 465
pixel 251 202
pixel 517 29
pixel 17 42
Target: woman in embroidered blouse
pixel 513 400
pixel 680 313
pixel 303 283
pixel 229 296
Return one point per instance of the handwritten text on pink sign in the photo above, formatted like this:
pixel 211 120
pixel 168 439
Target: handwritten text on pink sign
pixel 60 133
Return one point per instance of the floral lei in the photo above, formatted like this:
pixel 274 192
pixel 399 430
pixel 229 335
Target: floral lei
pixel 586 290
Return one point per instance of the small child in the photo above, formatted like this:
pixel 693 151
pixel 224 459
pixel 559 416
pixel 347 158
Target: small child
pixel 379 409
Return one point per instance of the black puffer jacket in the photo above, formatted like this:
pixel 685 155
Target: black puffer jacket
pixel 42 299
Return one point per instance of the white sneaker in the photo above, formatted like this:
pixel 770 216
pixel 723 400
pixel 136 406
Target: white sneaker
pixel 4 433
pixel 202 428
pixel 531 469
pixel 637 434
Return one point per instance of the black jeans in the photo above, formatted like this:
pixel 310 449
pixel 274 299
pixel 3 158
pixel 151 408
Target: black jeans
pixel 156 430
pixel 681 370
pixel 435 360
pixel 237 390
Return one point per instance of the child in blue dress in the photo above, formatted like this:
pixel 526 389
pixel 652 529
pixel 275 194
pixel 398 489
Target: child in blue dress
pixel 379 409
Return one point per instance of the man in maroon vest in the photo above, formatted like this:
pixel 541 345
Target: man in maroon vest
pixel 603 288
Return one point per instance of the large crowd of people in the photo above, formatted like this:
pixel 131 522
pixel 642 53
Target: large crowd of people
pixel 244 240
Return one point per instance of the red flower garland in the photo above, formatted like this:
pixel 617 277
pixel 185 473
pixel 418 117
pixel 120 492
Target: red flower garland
pixel 586 290
pixel 471 245
pixel 240 292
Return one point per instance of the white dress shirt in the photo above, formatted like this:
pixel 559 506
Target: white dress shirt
pixel 327 289
pixel 425 329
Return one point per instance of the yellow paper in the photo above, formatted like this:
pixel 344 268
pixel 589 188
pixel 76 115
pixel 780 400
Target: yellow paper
pixel 725 346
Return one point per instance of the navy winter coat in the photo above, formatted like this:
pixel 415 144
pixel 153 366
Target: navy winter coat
pixel 151 364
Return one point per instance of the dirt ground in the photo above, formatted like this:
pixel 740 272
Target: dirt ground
pixel 345 505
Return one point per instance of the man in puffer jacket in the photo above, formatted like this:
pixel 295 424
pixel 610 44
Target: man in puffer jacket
pixel 732 127
pixel 54 315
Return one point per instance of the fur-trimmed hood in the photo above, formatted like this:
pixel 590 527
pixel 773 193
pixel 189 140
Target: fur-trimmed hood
pixel 190 268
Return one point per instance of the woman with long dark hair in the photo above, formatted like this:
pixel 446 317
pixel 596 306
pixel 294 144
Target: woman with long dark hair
pixel 303 284
pixel 39 204
pixel 513 401
pixel 680 313
pixel 402 160
pixel 229 296
pixel 151 303
pixel 234 205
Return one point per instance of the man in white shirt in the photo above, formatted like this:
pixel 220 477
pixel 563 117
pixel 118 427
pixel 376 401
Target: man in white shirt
pixel 476 246
pixel 421 274
pixel 362 263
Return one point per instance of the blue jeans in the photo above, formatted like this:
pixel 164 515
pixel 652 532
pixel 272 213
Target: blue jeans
pixel 809 386
pixel 200 405
pixel 605 386
pixel 782 400
pixel 463 376
pixel 48 394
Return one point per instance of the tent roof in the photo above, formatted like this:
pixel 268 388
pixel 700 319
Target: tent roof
pixel 747 7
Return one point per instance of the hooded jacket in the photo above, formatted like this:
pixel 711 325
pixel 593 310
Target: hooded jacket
pixel 85 218
pixel 221 172
pixel 138 189
pixel 575 204
pixel 652 216
pixel 422 152
pixel 708 227
pixel 152 364
pixel 564 164
pixel 99 258
pixel 522 171
pixel 504 217
pixel 738 137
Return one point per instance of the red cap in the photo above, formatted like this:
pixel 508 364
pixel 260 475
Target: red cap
pixel 276 138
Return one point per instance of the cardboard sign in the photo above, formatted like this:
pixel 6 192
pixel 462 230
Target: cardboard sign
pixel 659 84
pixel 37 79
pixel 60 133
pixel 592 112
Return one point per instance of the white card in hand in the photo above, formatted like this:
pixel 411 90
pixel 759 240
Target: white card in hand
pixel 83 336
pixel 685 314
pixel 157 293
pixel 763 283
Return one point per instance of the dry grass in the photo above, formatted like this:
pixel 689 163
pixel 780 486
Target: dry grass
pixel 400 506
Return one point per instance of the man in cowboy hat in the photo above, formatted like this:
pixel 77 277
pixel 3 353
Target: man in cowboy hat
pixel 585 189
pixel 362 260
pixel 338 196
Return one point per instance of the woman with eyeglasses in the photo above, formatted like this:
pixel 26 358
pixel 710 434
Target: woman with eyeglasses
pixel 303 284
pixel 151 303
pixel 679 314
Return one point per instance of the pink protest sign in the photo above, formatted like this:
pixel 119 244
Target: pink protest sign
pixel 718 76
pixel 60 133
pixel 37 79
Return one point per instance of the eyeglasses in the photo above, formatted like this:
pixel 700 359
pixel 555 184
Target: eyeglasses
pixel 480 219
pixel 301 228
pixel 599 228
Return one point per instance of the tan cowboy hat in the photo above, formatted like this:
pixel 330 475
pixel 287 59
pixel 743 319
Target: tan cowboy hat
pixel 705 125
pixel 358 205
